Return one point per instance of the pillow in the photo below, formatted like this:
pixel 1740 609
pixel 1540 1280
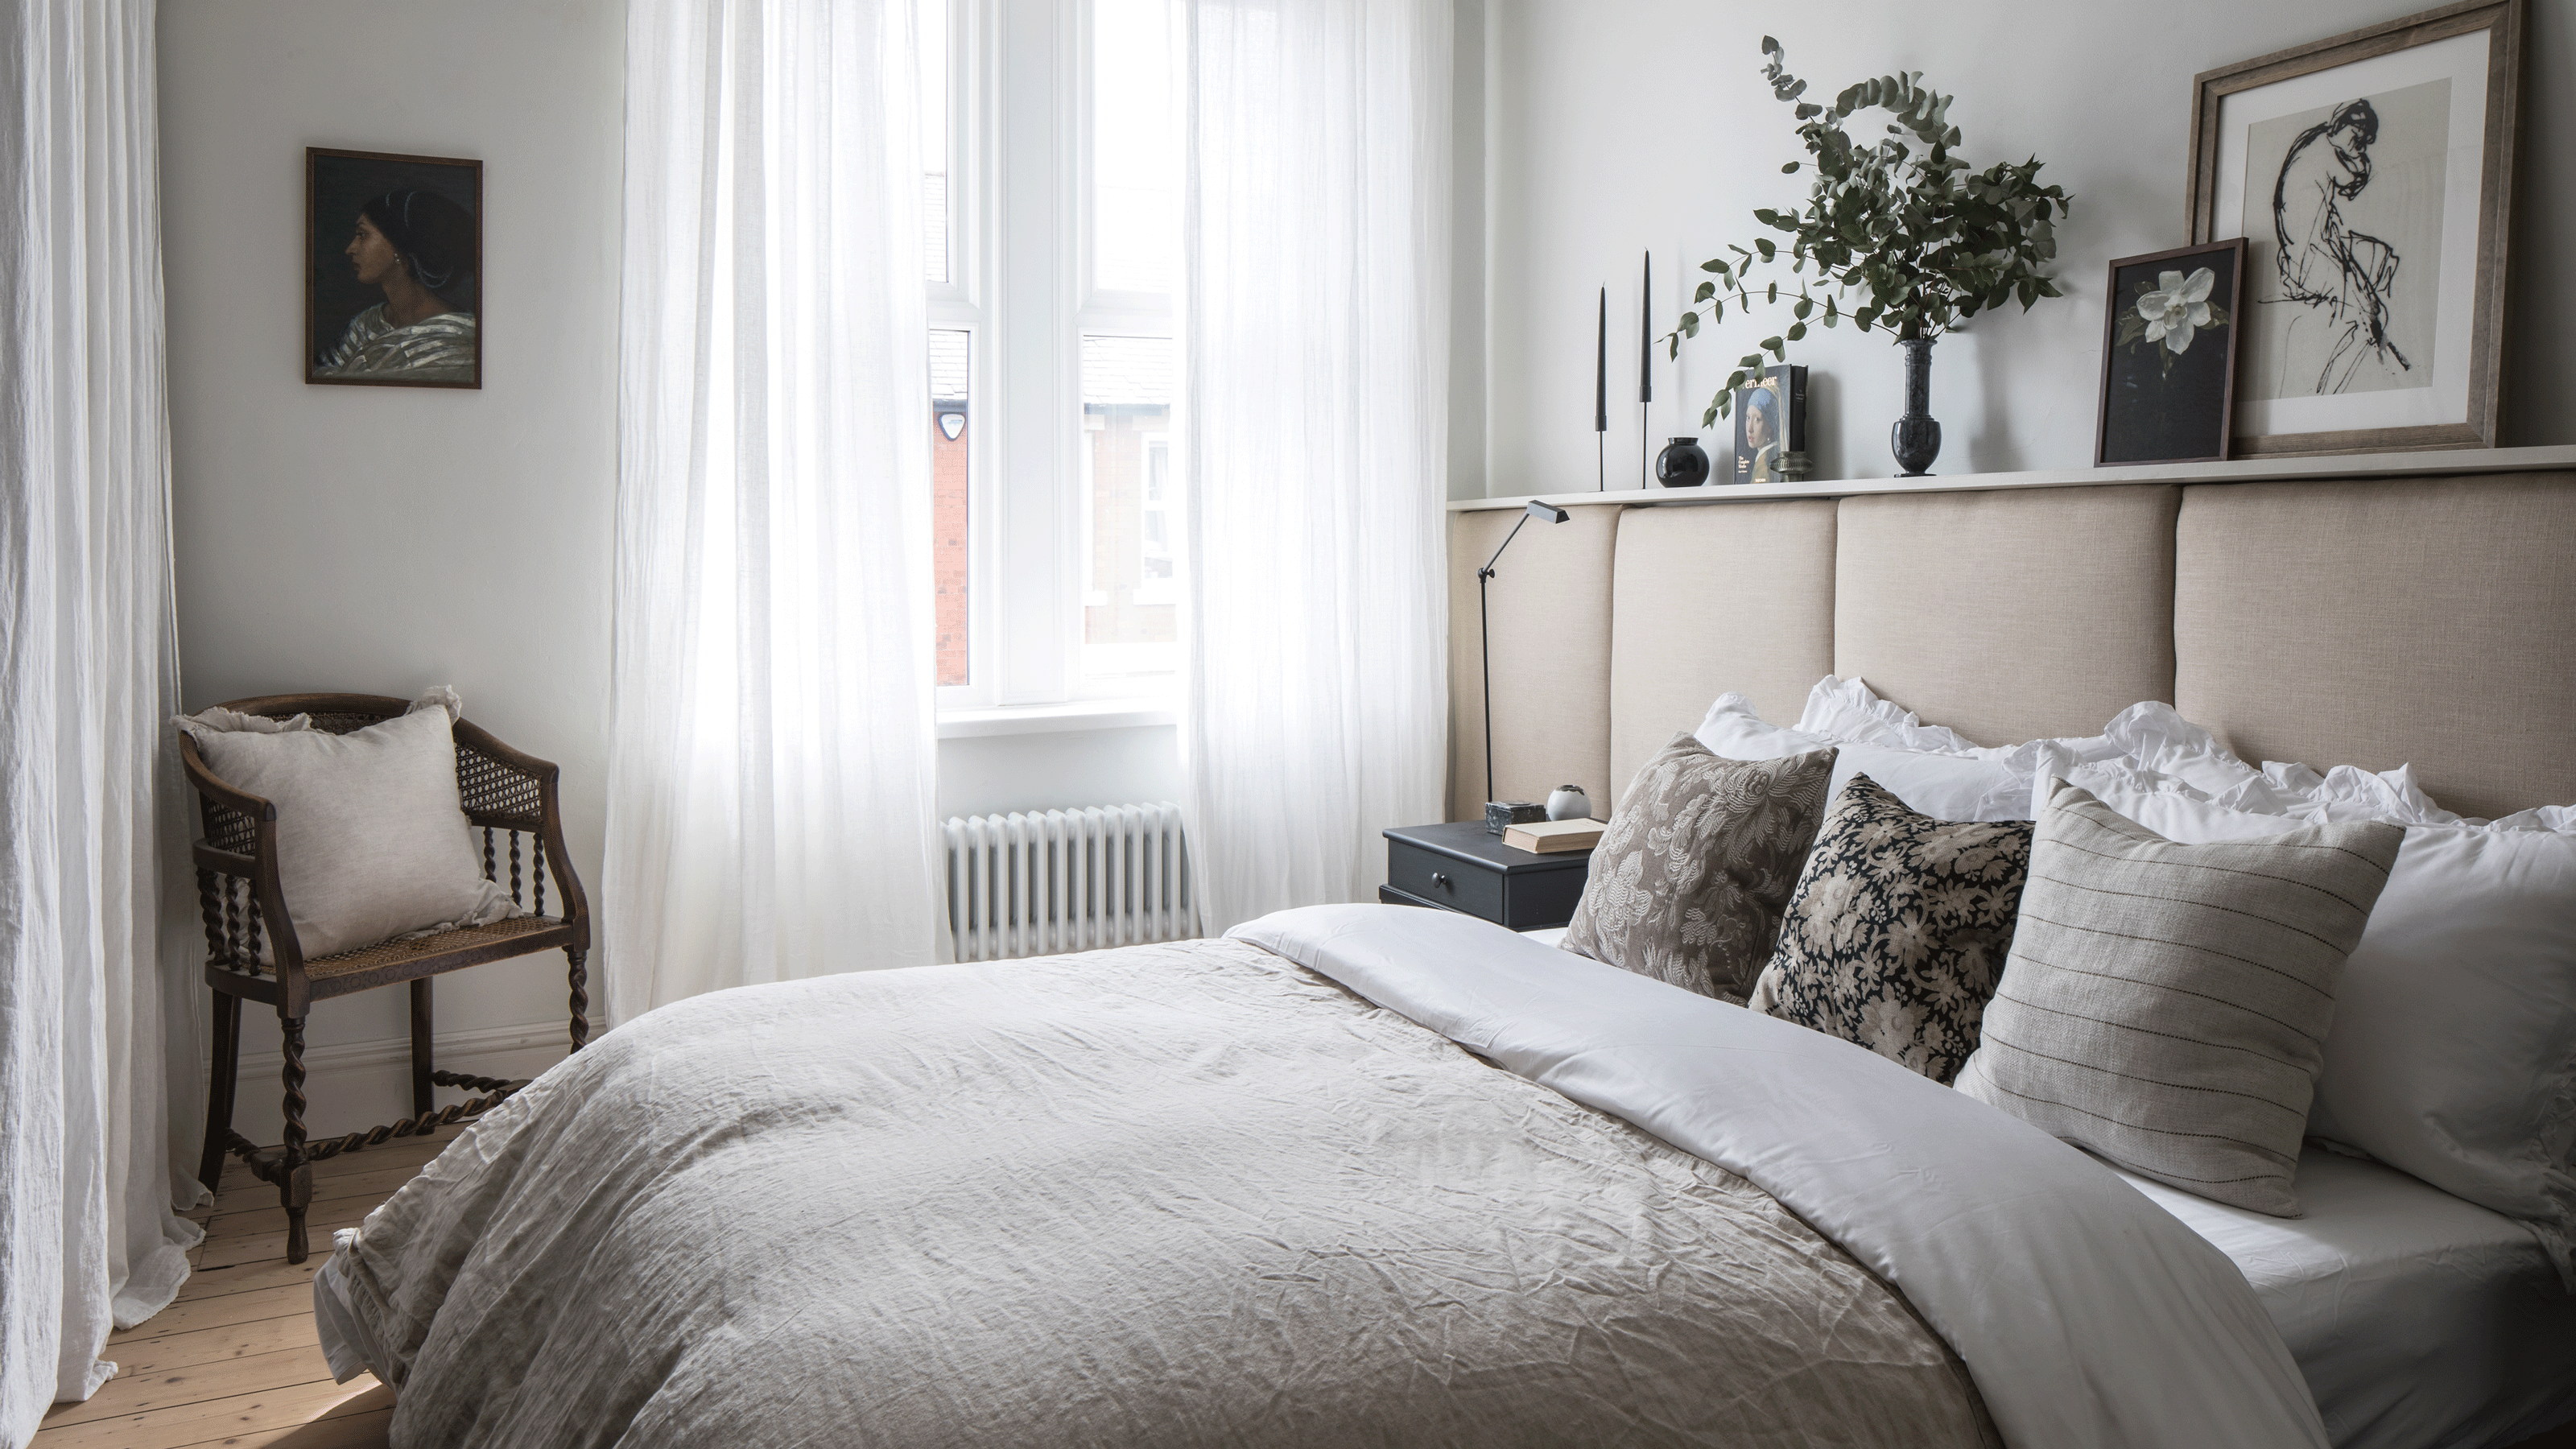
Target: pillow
pixel 1931 769
pixel 1696 864
pixel 1897 931
pixel 2453 1051
pixel 371 841
pixel 2165 1005
pixel 2154 736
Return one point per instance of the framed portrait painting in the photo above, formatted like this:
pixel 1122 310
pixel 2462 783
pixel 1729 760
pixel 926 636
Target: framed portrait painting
pixel 2169 348
pixel 393 269
pixel 2371 175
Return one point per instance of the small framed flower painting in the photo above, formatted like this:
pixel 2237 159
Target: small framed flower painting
pixel 2169 349
pixel 393 269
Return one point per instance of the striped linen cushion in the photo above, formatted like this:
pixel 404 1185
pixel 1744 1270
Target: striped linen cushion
pixel 2165 1006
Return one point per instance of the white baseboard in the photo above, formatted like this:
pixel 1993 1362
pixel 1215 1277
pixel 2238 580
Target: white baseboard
pixel 349 1086
pixel 448 1047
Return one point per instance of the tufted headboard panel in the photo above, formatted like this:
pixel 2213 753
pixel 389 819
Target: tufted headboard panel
pixel 2339 620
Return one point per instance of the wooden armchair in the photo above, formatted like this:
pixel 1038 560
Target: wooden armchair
pixel 502 792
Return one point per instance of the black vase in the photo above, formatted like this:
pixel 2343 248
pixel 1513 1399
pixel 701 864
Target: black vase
pixel 1682 464
pixel 1916 438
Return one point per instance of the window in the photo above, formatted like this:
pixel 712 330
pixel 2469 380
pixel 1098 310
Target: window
pixel 1128 624
pixel 1050 248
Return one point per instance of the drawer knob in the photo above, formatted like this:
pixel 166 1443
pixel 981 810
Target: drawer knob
pixel 1440 880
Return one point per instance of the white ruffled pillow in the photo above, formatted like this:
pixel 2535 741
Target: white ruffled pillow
pixel 2452 1054
pixel 1934 770
pixel 371 841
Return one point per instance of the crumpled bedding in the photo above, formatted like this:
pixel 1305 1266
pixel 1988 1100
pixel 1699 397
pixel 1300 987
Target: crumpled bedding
pixel 1181 1194
pixel 2088 1315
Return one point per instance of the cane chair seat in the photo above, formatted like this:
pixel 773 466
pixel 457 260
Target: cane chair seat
pixel 388 958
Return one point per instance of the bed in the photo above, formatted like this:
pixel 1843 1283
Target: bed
pixel 1373 1175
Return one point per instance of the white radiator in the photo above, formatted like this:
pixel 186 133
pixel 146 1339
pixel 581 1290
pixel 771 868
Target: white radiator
pixel 1053 881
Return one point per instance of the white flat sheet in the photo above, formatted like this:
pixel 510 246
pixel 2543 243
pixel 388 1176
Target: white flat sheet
pixel 2420 1320
pixel 2086 1316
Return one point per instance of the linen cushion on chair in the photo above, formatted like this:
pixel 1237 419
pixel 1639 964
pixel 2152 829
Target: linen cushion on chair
pixel 371 839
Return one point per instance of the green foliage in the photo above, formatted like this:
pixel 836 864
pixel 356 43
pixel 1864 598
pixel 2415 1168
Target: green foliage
pixel 1924 241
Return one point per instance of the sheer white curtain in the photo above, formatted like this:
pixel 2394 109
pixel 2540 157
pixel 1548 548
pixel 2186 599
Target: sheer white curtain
pixel 770 774
pixel 1315 240
pixel 88 673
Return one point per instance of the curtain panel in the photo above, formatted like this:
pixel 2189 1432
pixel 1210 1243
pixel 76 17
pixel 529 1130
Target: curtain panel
pixel 1315 323
pixel 772 746
pixel 98 1073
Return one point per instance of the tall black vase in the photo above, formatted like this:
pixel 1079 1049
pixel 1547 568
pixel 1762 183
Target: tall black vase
pixel 1916 438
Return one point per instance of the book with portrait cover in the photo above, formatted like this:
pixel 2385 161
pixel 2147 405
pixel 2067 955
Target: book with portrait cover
pixel 1770 419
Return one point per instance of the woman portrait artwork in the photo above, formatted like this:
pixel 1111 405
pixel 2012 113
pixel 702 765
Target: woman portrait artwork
pixel 1757 433
pixel 395 252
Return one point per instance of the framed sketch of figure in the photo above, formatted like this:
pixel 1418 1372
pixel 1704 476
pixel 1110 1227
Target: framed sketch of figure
pixel 393 270
pixel 2371 175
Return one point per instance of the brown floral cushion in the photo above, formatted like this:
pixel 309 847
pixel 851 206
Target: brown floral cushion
pixel 1691 874
pixel 1899 929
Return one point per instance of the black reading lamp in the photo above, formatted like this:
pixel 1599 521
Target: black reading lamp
pixel 1484 625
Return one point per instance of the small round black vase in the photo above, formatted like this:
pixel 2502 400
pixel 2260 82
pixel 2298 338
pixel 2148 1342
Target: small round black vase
pixel 1916 438
pixel 1682 464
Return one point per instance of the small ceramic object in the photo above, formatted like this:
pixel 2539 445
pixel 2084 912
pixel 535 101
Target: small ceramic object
pixel 1682 464
pixel 1568 802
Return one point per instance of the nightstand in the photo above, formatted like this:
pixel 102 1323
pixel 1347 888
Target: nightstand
pixel 1458 867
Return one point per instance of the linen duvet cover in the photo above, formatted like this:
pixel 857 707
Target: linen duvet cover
pixel 1252 1191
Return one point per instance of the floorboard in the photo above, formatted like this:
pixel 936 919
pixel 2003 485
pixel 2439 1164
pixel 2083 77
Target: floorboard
pixel 234 1360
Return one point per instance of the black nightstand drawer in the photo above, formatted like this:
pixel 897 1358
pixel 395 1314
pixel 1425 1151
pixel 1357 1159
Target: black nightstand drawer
pixel 1443 880
pixel 1537 901
pixel 1460 867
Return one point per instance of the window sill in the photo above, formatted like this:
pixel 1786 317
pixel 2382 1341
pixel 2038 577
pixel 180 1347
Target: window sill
pixel 1033 719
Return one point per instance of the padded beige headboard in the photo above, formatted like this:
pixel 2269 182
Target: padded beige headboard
pixel 2343 621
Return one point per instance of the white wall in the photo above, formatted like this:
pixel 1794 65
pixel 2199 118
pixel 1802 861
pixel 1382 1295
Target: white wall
pixel 1616 128
pixel 383 539
pixel 1062 770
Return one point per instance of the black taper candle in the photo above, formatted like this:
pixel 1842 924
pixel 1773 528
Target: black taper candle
pixel 1601 370
pixel 1646 334
pixel 1601 396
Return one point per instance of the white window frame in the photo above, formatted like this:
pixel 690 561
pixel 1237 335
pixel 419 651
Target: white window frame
pixel 1021 234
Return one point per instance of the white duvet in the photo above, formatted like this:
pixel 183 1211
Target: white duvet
pixel 2088 1315
pixel 1191 1194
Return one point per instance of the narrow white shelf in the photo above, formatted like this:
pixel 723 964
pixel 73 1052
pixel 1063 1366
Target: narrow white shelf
pixel 2244 470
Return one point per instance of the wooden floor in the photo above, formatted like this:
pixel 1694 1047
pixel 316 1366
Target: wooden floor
pixel 234 1361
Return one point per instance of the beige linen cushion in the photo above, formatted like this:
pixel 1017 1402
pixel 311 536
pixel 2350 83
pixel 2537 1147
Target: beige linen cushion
pixel 1698 861
pixel 2165 1006
pixel 371 839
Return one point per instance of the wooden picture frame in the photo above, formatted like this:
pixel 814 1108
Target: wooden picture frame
pixel 2192 393
pixel 393 269
pixel 2384 328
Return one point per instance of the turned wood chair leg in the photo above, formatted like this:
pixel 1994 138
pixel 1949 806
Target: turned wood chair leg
pixel 579 975
pixel 295 1175
pixel 219 1089
pixel 422 1098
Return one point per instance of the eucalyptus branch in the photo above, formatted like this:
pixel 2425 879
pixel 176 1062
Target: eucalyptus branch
pixel 1924 241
